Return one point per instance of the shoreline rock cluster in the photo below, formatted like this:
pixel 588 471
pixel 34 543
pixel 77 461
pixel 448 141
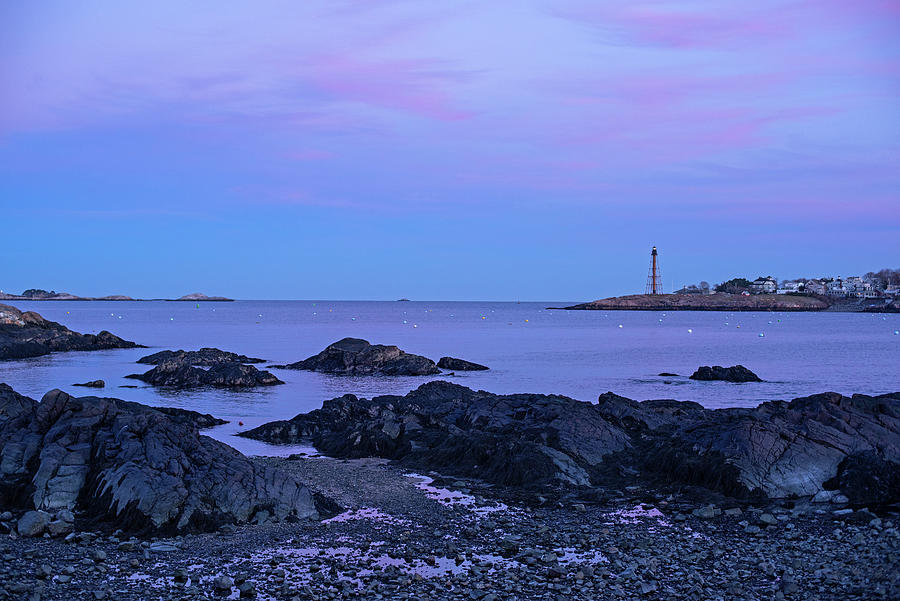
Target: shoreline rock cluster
pixel 735 373
pixel 133 467
pixel 776 450
pixel 358 357
pixel 26 334
pixel 205 367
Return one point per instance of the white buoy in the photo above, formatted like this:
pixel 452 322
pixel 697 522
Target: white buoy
pixel 690 331
pixel 620 325
pixel 761 335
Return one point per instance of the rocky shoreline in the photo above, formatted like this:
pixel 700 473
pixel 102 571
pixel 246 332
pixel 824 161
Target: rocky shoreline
pixel 404 536
pixel 26 334
pixel 778 450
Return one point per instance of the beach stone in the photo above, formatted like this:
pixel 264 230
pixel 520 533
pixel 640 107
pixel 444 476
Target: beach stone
pixel 222 584
pixel 33 523
pixel 60 527
pixel 767 519
pixel 707 512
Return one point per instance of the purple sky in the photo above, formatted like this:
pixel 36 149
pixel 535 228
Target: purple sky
pixel 445 150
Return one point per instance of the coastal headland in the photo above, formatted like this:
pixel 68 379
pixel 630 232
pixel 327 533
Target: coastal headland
pixel 35 294
pixel 714 302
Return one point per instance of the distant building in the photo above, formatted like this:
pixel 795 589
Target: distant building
pixel 766 285
pixel 892 290
pixel 836 288
pixel 814 287
pixel 791 287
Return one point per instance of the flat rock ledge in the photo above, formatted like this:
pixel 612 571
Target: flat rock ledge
pixel 735 373
pixel 179 373
pixel 27 334
pixel 824 442
pixel 132 467
pixel 454 364
pixel 204 357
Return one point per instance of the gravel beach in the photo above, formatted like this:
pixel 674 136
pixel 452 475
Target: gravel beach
pixel 400 535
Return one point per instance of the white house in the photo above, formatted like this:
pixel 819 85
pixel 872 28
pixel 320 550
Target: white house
pixel 764 285
pixel 814 287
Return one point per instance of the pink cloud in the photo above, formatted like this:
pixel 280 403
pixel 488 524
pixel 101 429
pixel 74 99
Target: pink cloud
pixel 412 85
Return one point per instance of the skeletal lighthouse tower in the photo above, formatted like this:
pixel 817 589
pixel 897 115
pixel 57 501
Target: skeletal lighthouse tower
pixel 654 283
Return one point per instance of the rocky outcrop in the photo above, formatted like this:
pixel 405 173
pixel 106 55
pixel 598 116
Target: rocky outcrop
pixel 205 357
pixel 199 296
pixel 179 373
pixel 777 449
pixel 92 384
pixel 735 373
pixel 720 301
pixel 354 356
pixel 27 334
pixel 525 439
pixel 132 467
pixel 454 364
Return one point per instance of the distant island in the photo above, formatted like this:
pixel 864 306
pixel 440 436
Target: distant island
pixel 36 294
pixel 721 301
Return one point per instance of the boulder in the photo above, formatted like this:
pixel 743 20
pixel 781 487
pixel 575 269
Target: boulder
pixel 33 523
pixel 92 384
pixel 133 467
pixel 27 334
pixel 356 357
pixel 453 364
pixel 205 357
pixel 179 373
pixel 735 373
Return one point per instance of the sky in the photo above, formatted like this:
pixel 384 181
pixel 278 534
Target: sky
pixel 444 150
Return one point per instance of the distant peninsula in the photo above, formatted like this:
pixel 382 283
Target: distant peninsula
pixel 704 302
pixel 36 294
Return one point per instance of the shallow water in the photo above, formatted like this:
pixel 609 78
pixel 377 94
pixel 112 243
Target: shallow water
pixel 529 349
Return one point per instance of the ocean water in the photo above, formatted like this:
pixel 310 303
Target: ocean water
pixel 580 354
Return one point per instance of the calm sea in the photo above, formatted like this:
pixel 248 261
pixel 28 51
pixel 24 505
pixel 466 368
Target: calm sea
pixel 580 354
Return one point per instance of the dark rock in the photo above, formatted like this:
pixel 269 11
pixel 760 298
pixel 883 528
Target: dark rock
pixel 354 356
pixel 867 477
pixel 776 450
pixel 459 365
pixel 133 467
pixel 199 420
pixel 735 373
pixel 784 449
pixel 179 373
pixel 205 357
pixel 527 439
pixel 27 334
pixel 668 374
pixel 92 384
